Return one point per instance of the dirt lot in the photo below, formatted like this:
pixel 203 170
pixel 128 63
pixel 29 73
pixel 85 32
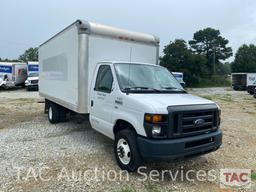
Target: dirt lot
pixel 38 156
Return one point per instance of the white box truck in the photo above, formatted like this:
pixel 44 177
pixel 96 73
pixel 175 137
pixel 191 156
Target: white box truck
pixel 244 81
pixel 33 75
pixel 251 82
pixel 12 74
pixel 112 75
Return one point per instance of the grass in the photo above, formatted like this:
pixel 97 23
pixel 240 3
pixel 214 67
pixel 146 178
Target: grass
pixel 226 97
pixel 2 113
pixel 250 112
pixel 209 97
pixel 24 100
pixel 253 176
pixel 215 81
pixel 127 189
pixel 152 188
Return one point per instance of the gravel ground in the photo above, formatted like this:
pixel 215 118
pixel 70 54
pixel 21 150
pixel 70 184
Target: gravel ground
pixel 38 156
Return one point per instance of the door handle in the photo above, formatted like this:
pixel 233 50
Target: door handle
pixel 91 103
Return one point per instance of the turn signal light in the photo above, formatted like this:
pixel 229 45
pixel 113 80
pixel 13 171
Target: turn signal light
pixel 157 118
pixel 154 118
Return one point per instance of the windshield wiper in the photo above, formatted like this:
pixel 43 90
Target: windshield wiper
pixel 174 88
pixel 140 88
pixel 170 87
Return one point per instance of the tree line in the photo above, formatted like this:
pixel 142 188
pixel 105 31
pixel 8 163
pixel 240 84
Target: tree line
pixel 202 59
pixel 31 54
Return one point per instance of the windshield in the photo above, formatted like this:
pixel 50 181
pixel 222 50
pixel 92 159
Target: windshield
pixel 140 77
pixel 33 74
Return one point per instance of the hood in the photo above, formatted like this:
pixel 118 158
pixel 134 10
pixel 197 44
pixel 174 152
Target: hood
pixel 160 102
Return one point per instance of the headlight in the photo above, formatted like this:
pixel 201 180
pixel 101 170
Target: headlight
pixel 156 125
pixel 156 130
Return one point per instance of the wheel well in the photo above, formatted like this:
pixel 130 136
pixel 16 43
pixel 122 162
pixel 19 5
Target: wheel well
pixel 122 124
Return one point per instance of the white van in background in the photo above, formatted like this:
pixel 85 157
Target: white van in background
pixel 33 75
pixel 12 74
pixel 179 77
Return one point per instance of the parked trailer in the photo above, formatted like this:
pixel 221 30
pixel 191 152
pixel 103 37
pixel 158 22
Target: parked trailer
pixel 239 81
pixel 12 74
pixel 33 75
pixel 112 75
pixel 244 81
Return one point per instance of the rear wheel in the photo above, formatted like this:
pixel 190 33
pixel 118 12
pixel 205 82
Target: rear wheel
pixel 53 113
pixel 126 151
pixel 62 114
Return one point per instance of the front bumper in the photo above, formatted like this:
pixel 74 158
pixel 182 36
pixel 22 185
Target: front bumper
pixel 31 85
pixel 10 84
pixel 180 148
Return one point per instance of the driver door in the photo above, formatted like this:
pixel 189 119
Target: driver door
pixel 102 102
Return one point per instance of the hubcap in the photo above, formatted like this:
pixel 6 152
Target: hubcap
pixel 123 151
pixel 50 113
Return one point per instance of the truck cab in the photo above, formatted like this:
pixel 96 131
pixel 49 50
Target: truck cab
pixel 149 114
pixel 33 76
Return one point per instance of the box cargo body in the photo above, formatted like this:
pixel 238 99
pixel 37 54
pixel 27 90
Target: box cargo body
pixel 239 81
pixel 67 61
pixel 32 67
pixel 16 73
pixel 244 81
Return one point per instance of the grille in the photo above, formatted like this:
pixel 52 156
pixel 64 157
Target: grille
pixel 34 81
pixel 192 121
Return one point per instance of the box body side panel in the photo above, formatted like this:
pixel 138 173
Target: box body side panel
pixel 58 69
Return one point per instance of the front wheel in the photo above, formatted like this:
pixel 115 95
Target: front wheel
pixel 126 150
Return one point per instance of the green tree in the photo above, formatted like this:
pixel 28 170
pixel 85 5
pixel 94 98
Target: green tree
pixel 30 54
pixel 245 59
pixel 209 43
pixel 177 57
pixel 224 69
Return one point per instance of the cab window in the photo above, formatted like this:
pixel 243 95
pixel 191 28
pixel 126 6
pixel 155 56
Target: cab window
pixel 104 79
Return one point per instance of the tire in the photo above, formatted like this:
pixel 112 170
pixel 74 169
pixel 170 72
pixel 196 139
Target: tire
pixel 126 146
pixel 53 113
pixel 62 114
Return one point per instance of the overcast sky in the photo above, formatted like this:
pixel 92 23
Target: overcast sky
pixel 28 23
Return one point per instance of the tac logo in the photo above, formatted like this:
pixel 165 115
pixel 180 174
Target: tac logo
pixel 235 178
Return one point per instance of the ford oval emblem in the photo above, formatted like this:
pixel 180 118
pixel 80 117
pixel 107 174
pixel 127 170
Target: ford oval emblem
pixel 199 122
